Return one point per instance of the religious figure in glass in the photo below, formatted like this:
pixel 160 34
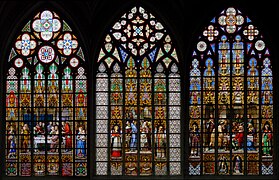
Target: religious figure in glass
pixel 26 138
pixel 116 141
pixel 160 142
pixel 195 139
pixel 12 142
pixel 266 140
pixel 81 142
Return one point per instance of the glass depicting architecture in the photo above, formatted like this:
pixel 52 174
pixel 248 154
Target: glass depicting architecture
pixel 46 101
pixel 231 99
pixel 138 99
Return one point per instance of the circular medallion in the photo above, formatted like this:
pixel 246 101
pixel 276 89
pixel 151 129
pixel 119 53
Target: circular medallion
pixel 74 62
pixel 46 54
pixel 201 46
pixel 18 62
pixel 260 45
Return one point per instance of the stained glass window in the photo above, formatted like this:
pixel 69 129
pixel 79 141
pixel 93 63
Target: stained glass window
pixel 46 101
pixel 138 99
pixel 231 99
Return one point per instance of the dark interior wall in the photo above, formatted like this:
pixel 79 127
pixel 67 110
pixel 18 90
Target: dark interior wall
pixel 91 19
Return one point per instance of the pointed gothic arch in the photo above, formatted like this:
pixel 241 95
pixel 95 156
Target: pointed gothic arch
pixel 46 100
pixel 138 99
pixel 231 99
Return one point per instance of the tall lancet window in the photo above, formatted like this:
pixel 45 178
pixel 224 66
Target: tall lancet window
pixel 231 99
pixel 46 101
pixel 138 99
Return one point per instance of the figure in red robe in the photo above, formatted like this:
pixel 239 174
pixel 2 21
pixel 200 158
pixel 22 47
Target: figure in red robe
pixel 116 142
pixel 68 137
pixel 239 138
